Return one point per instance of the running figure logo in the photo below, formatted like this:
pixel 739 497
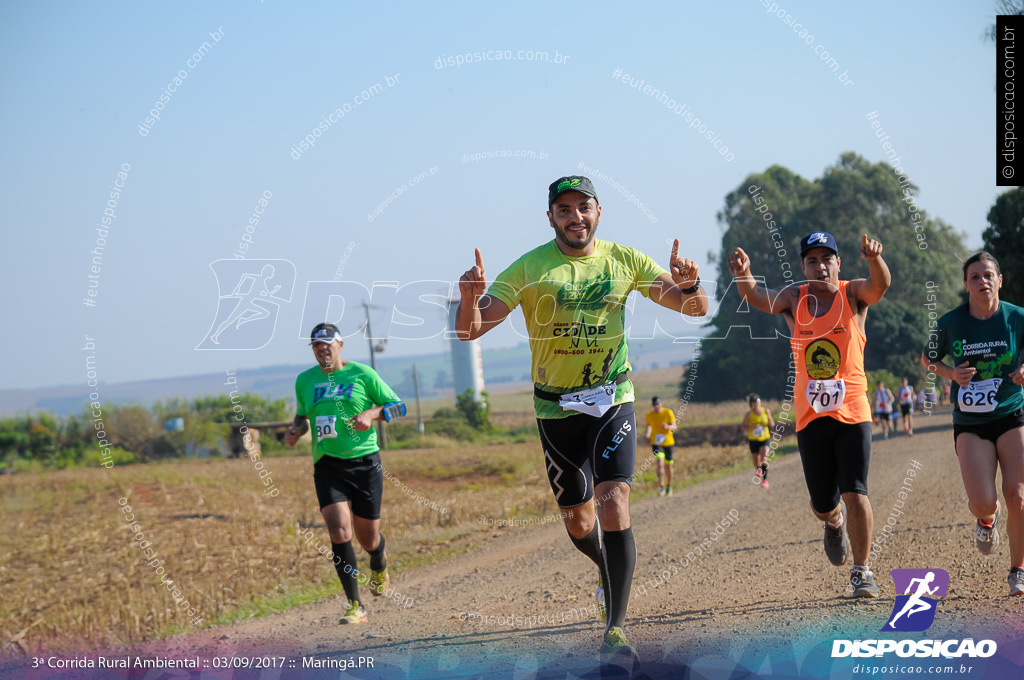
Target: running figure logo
pixel 251 295
pixel 914 610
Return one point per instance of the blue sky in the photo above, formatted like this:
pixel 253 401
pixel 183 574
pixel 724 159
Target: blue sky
pixel 81 78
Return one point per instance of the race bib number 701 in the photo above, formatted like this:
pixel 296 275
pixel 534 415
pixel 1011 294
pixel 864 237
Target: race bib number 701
pixel 826 396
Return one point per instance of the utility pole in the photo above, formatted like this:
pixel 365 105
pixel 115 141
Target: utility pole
pixel 382 438
pixel 416 387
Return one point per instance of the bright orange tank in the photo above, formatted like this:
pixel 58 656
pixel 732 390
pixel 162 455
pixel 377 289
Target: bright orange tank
pixel 829 356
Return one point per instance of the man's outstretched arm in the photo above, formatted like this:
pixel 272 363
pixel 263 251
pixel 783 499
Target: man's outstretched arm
pixel 770 300
pixel 477 313
pixel 670 290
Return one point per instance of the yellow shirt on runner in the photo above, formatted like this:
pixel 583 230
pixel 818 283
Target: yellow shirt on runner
pixel 574 309
pixel 659 423
pixel 758 425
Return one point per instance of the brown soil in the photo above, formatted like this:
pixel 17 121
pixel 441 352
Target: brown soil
pixel 763 585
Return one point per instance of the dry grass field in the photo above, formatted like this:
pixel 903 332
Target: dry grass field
pixel 209 545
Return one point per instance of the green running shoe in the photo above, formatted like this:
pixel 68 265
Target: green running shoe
pixel 617 650
pixel 379 582
pixel 354 613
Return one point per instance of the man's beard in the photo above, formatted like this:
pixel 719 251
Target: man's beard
pixel 576 242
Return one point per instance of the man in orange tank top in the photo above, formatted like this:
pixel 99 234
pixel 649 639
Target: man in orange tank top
pixel 826 321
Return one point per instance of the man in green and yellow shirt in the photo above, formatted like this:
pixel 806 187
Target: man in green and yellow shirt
pixel 573 291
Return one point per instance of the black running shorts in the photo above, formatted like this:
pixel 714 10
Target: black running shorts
pixel 582 451
pixel 665 451
pixel 906 409
pixel 994 430
pixel 357 480
pixel 835 457
pixel 755 446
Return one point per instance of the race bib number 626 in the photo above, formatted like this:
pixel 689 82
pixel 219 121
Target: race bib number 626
pixel 980 396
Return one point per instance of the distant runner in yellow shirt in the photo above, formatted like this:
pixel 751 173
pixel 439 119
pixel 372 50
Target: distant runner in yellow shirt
pixel 661 423
pixel 757 426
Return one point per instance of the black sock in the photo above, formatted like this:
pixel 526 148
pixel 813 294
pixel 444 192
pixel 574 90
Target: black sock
pixel 590 545
pixel 620 561
pixel 377 561
pixel 345 564
pixel 764 470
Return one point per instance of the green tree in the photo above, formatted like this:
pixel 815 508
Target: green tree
pixel 852 198
pixel 1004 238
pixel 207 419
pixel 14 440
pixel 476 413
pixel 451 423
pixel 221 408
pixel 31 437
pixel 1007 7
pixel 134 428
pixel 783 200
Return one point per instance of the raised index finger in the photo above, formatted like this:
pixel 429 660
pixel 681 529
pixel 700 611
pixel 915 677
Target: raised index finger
pixel 675 253
pixel 479 259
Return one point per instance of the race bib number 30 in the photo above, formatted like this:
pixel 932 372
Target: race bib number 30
pixel 826 396
pixel 325 427
pixel 980 396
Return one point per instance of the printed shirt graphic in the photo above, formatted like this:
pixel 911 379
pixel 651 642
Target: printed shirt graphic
pixel 992 346
pixel 754 421
pixel 575 315
pixel 659 423
pixel 830 348
pixel 341 394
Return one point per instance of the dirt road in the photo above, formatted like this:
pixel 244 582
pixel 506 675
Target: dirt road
pixel 759 596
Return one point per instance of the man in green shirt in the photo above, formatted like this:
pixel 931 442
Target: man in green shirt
pixel 573 291
pixel 342 399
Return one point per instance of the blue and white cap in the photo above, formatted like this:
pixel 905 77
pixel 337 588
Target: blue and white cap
pixel 325 332
pixel 818 239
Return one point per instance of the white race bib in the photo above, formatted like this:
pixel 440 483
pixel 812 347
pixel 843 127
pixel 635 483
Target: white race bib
pixel 659 439
pixel 980 396
pixel 325 427
pixel 826 396
pixel 594 402
pixel 759 432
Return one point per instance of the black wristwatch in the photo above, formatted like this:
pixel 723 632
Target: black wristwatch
pixel 692 289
